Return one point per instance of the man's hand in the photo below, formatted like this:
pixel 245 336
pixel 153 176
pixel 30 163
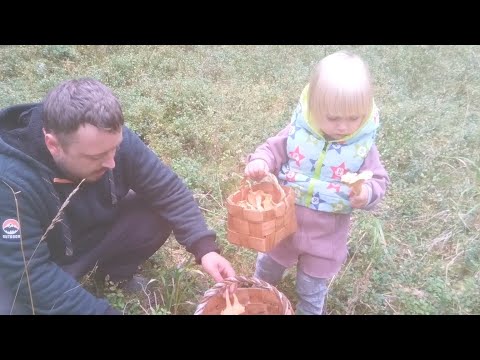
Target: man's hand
pixel 217 266
pixel 359 201
pixel 257 169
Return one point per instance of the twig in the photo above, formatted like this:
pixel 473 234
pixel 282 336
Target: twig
pixel 451 263
pixel 219 192
pixel 359 290
pixel 391 307
pixel 23 252
pixel 55 220
pixel 204 209
pixel 80 284
pixel 351 259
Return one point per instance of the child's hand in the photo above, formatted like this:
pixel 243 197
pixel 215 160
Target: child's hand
pixel 256 169
pixel 359 201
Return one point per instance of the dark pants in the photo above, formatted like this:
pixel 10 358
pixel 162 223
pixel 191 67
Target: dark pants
pixel 135 236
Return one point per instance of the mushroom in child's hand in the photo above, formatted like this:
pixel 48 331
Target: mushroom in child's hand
pixel 355 181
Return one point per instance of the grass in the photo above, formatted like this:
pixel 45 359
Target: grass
pixel 202 109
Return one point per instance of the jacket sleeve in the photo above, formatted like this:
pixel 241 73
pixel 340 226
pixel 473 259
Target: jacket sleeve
pixel 149 177
pixel 273 151
pixel 44 286
pixel 377 185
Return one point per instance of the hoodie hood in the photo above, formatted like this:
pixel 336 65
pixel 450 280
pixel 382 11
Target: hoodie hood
pixel 21 136
pixel 370 124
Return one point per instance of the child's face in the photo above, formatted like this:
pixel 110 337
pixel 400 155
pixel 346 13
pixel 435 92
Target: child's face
pixel 337 127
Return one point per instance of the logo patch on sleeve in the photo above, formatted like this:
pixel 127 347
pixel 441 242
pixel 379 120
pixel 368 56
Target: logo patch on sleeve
pixel 11 229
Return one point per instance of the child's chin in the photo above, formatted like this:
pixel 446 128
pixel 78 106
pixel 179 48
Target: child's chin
pixel 334 137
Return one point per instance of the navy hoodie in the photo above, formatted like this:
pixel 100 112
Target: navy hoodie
pixel 29 200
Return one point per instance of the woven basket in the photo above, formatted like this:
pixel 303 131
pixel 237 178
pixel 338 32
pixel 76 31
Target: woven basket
pixel 260 299
pixel 261 230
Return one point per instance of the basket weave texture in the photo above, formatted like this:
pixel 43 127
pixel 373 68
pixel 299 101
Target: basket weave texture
pixel 261 230
pixel 260 298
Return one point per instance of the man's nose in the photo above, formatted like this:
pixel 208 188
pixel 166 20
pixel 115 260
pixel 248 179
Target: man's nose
pixel 109 163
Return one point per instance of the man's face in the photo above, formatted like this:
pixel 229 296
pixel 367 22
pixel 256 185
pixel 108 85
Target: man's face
pixel 86 154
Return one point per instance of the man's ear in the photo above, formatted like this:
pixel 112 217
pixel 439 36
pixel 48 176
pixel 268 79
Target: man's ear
pixel 53 145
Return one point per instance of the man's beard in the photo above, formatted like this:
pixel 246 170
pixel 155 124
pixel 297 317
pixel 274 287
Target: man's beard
pixel 67 174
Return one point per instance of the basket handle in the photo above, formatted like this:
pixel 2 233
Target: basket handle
pixel 267 178
pixel 220 287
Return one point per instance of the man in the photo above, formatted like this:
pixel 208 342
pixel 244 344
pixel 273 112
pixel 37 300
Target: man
pixel 124 203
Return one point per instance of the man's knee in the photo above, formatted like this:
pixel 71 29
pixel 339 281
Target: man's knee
pixel 143 222
pixel 155 230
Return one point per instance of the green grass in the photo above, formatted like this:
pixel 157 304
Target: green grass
pixel 202 109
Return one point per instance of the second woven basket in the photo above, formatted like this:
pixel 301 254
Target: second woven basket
pixel 257 296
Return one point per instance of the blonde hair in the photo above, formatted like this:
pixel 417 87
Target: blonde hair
pixel 340 85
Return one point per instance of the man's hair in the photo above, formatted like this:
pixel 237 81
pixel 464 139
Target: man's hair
pixel 78 102
pixel 340 85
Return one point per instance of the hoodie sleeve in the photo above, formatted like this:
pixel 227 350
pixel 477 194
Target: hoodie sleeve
pixel 273 151
pixel 149 177
pixel 380 180
pixel 45 287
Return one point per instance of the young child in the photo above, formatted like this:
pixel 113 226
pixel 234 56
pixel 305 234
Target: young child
pixel 332 132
